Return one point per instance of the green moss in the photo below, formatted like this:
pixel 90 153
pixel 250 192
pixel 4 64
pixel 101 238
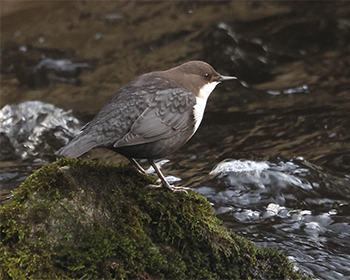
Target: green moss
pixel 75 219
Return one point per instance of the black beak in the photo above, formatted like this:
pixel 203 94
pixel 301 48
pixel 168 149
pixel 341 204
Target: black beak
pixel 227 78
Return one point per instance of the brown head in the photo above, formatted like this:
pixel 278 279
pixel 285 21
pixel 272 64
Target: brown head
pixel 196 76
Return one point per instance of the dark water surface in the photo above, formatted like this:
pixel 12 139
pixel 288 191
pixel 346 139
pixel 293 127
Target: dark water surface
pixel 273 151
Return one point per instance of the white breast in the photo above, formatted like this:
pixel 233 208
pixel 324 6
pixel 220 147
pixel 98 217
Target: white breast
pixel 201 102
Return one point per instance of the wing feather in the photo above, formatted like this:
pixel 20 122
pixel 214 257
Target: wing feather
pixel 168 113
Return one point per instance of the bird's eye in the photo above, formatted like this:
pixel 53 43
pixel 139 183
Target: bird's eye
pixel 206 75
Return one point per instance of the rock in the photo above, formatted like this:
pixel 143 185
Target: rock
pixel 84 220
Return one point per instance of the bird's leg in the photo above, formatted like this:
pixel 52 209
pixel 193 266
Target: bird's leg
pixel 160 175
pixel 165 183
pixel 137 166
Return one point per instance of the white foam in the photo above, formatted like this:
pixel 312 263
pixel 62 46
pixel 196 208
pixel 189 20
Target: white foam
pixel 239 166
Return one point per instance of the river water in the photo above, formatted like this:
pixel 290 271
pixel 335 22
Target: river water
pixel 272 154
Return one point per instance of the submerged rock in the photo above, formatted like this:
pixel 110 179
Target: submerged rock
pixel 75 219
pixel 40 67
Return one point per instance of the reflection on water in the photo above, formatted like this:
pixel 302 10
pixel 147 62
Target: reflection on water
pixel 277 141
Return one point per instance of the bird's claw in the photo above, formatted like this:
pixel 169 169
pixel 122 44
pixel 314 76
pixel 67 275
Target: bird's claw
pixel 169 187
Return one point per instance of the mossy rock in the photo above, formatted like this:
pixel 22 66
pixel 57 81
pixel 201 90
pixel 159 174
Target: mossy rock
pixel 75 219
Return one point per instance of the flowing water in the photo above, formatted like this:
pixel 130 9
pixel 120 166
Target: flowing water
pixel 272 154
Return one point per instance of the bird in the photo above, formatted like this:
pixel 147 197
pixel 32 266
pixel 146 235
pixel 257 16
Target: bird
pixel 150 117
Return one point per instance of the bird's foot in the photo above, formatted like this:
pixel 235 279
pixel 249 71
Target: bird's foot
pixel 169 187
pixel 179 189
pixel 152 186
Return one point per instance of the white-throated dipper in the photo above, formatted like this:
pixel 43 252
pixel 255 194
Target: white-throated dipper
pixel 150 117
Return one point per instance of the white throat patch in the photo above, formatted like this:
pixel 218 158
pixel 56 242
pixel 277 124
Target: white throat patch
pixel 201 102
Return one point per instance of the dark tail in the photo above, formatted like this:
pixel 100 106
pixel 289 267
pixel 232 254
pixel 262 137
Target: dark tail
pixel 76 147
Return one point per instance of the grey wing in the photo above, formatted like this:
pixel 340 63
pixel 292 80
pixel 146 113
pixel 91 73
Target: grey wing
pixel 169 112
